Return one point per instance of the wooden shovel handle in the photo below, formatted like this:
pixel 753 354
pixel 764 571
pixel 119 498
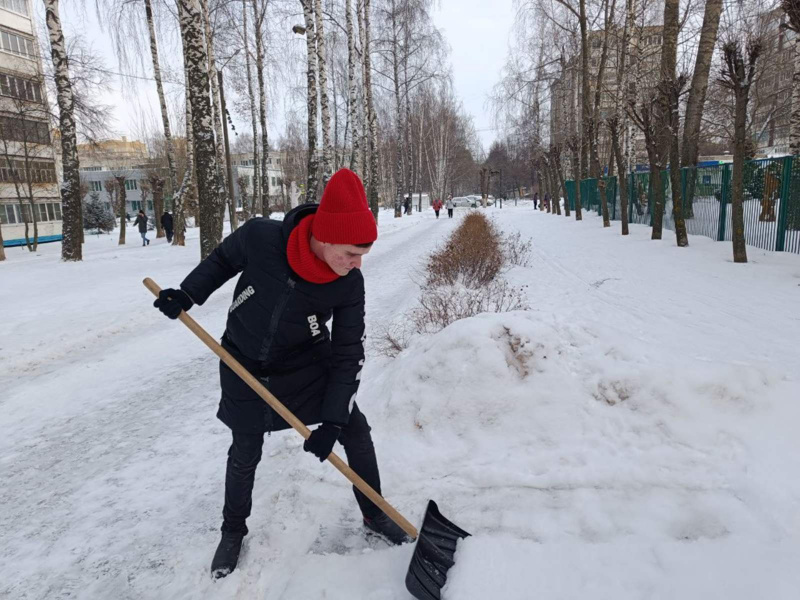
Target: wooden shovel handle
pixel 287 415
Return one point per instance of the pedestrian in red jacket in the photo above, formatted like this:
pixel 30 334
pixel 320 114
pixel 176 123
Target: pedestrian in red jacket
pixel 437 206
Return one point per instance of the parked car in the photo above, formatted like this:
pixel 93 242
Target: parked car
pixel 464 201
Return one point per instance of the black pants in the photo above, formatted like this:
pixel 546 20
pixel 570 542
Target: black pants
pixel 245 454
pixel 450 213
pixel 169 235
pixel 437 213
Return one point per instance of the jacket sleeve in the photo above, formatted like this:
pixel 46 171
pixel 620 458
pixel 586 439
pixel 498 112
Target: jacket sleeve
pixel 347 358
pixel 227 259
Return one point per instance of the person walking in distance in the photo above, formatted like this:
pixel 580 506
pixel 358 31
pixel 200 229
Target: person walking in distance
pixel 294 276
pixel 166 223
pixel 437 206
pixel 449 206
pixel 141 222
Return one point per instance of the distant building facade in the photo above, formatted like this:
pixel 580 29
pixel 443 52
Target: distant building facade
pixel 28 173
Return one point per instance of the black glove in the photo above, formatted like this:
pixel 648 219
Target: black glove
pixel 172 302
pixel 320 442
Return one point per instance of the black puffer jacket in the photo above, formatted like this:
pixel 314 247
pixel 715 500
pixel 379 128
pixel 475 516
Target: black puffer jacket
pixel 277 328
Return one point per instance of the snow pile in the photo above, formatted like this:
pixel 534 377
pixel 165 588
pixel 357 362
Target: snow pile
pixel 581 468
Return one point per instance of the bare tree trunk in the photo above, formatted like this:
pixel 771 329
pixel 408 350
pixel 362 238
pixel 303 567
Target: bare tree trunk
pixel 794 127
pixel 157 187
pixel 697 96
pixel 576 168
pixel 122 198
pixel 257 208
pixel 737 178
pixel 196 60
pixel 170 147
pixel 398 163
pixel 622 177
pixel 352 111
pixel 587 133
pixel 70 188
pixel 322 67
pixel 216 113
pixel 670 117
pixel 372 150
pixel 311 100
pixel 259 12
pixel 179 200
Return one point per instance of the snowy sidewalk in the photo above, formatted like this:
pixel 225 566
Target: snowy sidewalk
pixel 632 436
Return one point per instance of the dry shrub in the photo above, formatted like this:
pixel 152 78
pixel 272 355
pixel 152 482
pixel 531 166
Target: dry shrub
pixel 440 306
pixel 390 340
pixel 516 250
pixel 472 256
pixel 462 280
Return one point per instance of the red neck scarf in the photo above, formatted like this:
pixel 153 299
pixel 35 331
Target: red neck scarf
pixel 302 259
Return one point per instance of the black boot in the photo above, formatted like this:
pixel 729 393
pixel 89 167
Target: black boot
pixel 227 555
pixel 386 528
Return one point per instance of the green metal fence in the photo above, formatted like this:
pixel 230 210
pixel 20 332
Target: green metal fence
pixel 771 201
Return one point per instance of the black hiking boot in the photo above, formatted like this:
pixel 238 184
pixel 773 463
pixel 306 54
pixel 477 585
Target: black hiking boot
pixel 387 529
pixel 227 555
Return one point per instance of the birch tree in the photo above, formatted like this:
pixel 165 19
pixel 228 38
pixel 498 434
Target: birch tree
pixel 256 200
pixel 352 87
pixel 372 147
pixel 169 146
pixel 311 97
pixel 196 59
pixel 259 16
pixel 70 188
pixel 322 66
pixel 217 117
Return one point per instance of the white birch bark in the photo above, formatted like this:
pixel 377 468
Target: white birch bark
pixel 70 188
pixel 256 199
pixel 352 112
pixel 216 111
pixel 372 151
pixel 196 59
pixel 322 68
pixel 311 99
pixel 259 12
pixel 170 147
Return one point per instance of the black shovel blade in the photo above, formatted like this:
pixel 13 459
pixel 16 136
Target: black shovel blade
pixel 433 555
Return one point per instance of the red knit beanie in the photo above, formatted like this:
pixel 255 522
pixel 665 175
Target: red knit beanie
pixel 343 216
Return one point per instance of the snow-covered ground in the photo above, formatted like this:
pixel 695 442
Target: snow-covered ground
pixel 632 436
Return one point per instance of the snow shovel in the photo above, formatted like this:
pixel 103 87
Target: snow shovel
pixel 436 542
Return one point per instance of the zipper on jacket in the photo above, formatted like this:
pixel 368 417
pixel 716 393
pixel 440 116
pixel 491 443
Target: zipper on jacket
pixel 277 313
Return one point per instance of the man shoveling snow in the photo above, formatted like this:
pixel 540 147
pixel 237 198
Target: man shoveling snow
pixel 295 276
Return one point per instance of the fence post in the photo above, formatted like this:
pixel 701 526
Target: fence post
pixel 723 202
pixel 786 190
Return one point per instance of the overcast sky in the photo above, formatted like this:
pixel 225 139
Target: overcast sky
pixel 476 30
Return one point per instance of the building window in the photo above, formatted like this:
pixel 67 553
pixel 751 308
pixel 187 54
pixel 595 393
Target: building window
pixel 130 184
pixel 278 161
pixel 269 161
pixel 91 168
pixel 18 6
pixel 273 182
pixel 16 44
pixel 150 205
pixel 16 87
pixel 136 205
pixel 24 130
pixel 96 186
pixel 8 214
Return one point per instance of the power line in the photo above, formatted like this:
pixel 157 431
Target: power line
pixel 108 72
